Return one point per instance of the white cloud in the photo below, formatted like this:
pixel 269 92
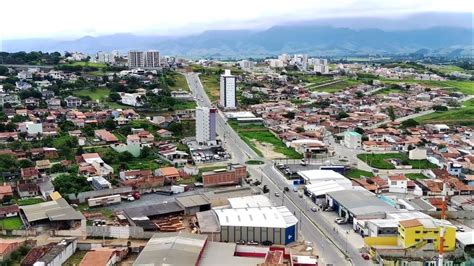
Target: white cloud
pixel 60 18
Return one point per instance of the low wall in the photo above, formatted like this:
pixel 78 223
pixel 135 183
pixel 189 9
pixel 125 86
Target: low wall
pixel 381 241
pixel 23 233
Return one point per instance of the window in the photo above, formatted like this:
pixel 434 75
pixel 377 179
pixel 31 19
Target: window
pixel 417 232
pixel 429 241
pixel 435 232
pixel 394 183
pixel 424 232
pixel 417 240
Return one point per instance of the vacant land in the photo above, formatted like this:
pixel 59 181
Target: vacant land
pixel 386 91
pixel 29 201
pixel 96 94
pixel 262 135
pixel 459 116
pixel 356 173
pixel 415 176
pixel 382 161
pixel 11 223
pixel 335 87
pixel 178 81
pixel 76 258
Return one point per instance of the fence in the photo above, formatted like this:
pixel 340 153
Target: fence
pixel 83 196
pixel 23 233
pixel 122 232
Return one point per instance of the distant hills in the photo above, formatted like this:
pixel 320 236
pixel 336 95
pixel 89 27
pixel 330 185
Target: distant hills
pixel 315 38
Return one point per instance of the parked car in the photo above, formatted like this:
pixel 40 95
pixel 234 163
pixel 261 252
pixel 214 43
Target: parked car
pixel 287 189
pixel 340 221
pixel 459 228
pixel 241 242
pixel 365 256
pixel 314 209
pixel 277 194
pixel 267 243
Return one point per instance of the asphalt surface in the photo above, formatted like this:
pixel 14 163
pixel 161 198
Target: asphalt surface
pixel 329 244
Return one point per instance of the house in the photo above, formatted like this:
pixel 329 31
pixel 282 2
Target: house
pixel 164 133
pixel 98 165
pixel 57 254
pixel 31 128
pixel 45 189
pixel 29 173
pixel 73 102
pixel 398 184
pixel 43 165
pixel 5 192
pixel 352 140
pixel 417 154
pixel 8 136
pixel 8 246
pixel 9 211
pixel 105 135
pixel 54 103
pixel 132 99
pixel 100 256
pixel 22 85
pixel 11 99
pixel 27 190
pixel 454 169
pixel 169 173
pixel 32 102
pixel 47 94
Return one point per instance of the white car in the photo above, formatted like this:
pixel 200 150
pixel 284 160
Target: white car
pixel 340 221
pixel 277 194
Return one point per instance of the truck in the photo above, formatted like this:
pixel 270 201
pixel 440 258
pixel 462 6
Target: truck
pixel 131 197
pixel 177 189
pixel 104 201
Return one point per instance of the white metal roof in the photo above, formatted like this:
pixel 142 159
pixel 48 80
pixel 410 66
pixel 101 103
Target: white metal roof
pixel 466 238
pixel 253 201
pixel 324 187
pixel 314 175
pixel 275 217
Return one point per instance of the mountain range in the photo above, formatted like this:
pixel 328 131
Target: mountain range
pixel 316 38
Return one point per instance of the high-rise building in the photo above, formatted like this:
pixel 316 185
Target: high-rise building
pixel 206 125
pixel 228 88
pixel 323 69
pixel 135 59
pixel 139 59
pixel 152 59
pixel 304 62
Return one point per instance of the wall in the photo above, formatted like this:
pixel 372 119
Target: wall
pixel 258 234
pixel 381 241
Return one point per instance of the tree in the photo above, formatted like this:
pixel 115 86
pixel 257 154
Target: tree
pixel 290 115
pixel 3 70
pixel 114 97
pixel 359 94
pixel 359 130
pixel 71 183
pixel 440 108
pixel 341 115
pixel 409 123
pixel 110 124
pixel 391 113
pixel 453 103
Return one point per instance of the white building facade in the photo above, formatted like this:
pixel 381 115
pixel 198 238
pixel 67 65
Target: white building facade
pixel 228 87
pixel 206 125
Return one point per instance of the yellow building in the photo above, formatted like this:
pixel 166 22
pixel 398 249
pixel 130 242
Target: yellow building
pixel 419 232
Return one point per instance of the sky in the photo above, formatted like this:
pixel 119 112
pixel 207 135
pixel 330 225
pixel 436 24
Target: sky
pixel 71 19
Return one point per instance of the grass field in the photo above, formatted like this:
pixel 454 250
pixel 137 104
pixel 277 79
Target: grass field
pixel 415 176
pixel 211 86
pixel 263 135
pixel 386 91
pixel 88 64
pixel 11 223
pixel 29 201
pixel 447 69
pixel 183 105
pixel 356 173
pixel 338 86
pixel 179 82
pixel 466 87
pixel 254 162
pixel 381 161
pixel 97 94
pixel 459 116
pixel 76 258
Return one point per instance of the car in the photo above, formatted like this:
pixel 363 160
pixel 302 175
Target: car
pixel 287 189
pixel 295 189
pixel 267 243
pixel 340 221
pixel 241 242
pixel 314 209
pixel 253 243
pixel 277 194
pixel 459 229
pixel 365 256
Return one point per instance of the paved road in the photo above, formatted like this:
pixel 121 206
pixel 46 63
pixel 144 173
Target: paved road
pixel 330 248
pixel 28 66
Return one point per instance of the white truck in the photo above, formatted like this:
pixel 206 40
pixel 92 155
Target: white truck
pixel 104 201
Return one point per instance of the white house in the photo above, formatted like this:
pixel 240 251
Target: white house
pixel 31 128
pixel 352 140
pixel 130 99
pixel 417 154
pixel 397 184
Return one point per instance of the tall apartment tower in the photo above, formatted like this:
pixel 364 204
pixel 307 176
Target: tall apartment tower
pixel 152 59
pixel 206 125
pixel 228 90
pixel 136 59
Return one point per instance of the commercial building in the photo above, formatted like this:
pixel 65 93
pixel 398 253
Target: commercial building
pixel 228 88
pixel 206 125
pixel 352 140
pixel 418 232
pixel 233 175
pixel 58 211
pixel 314 176
pixel 140 59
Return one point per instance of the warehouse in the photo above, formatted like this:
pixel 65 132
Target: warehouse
pixel 314 176
pixel 358 204
pixel 193 204
pixel 275 224
pixel 172 249
pixel 57 211
pixel 254 201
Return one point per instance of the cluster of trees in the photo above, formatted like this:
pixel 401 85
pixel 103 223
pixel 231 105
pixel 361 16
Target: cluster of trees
pixel 9 163
pixel 71 183
pixel 31 58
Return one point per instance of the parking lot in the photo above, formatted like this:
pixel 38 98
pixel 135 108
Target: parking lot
pixel 207 154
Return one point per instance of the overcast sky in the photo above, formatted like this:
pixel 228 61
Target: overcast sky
pixel 71 19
